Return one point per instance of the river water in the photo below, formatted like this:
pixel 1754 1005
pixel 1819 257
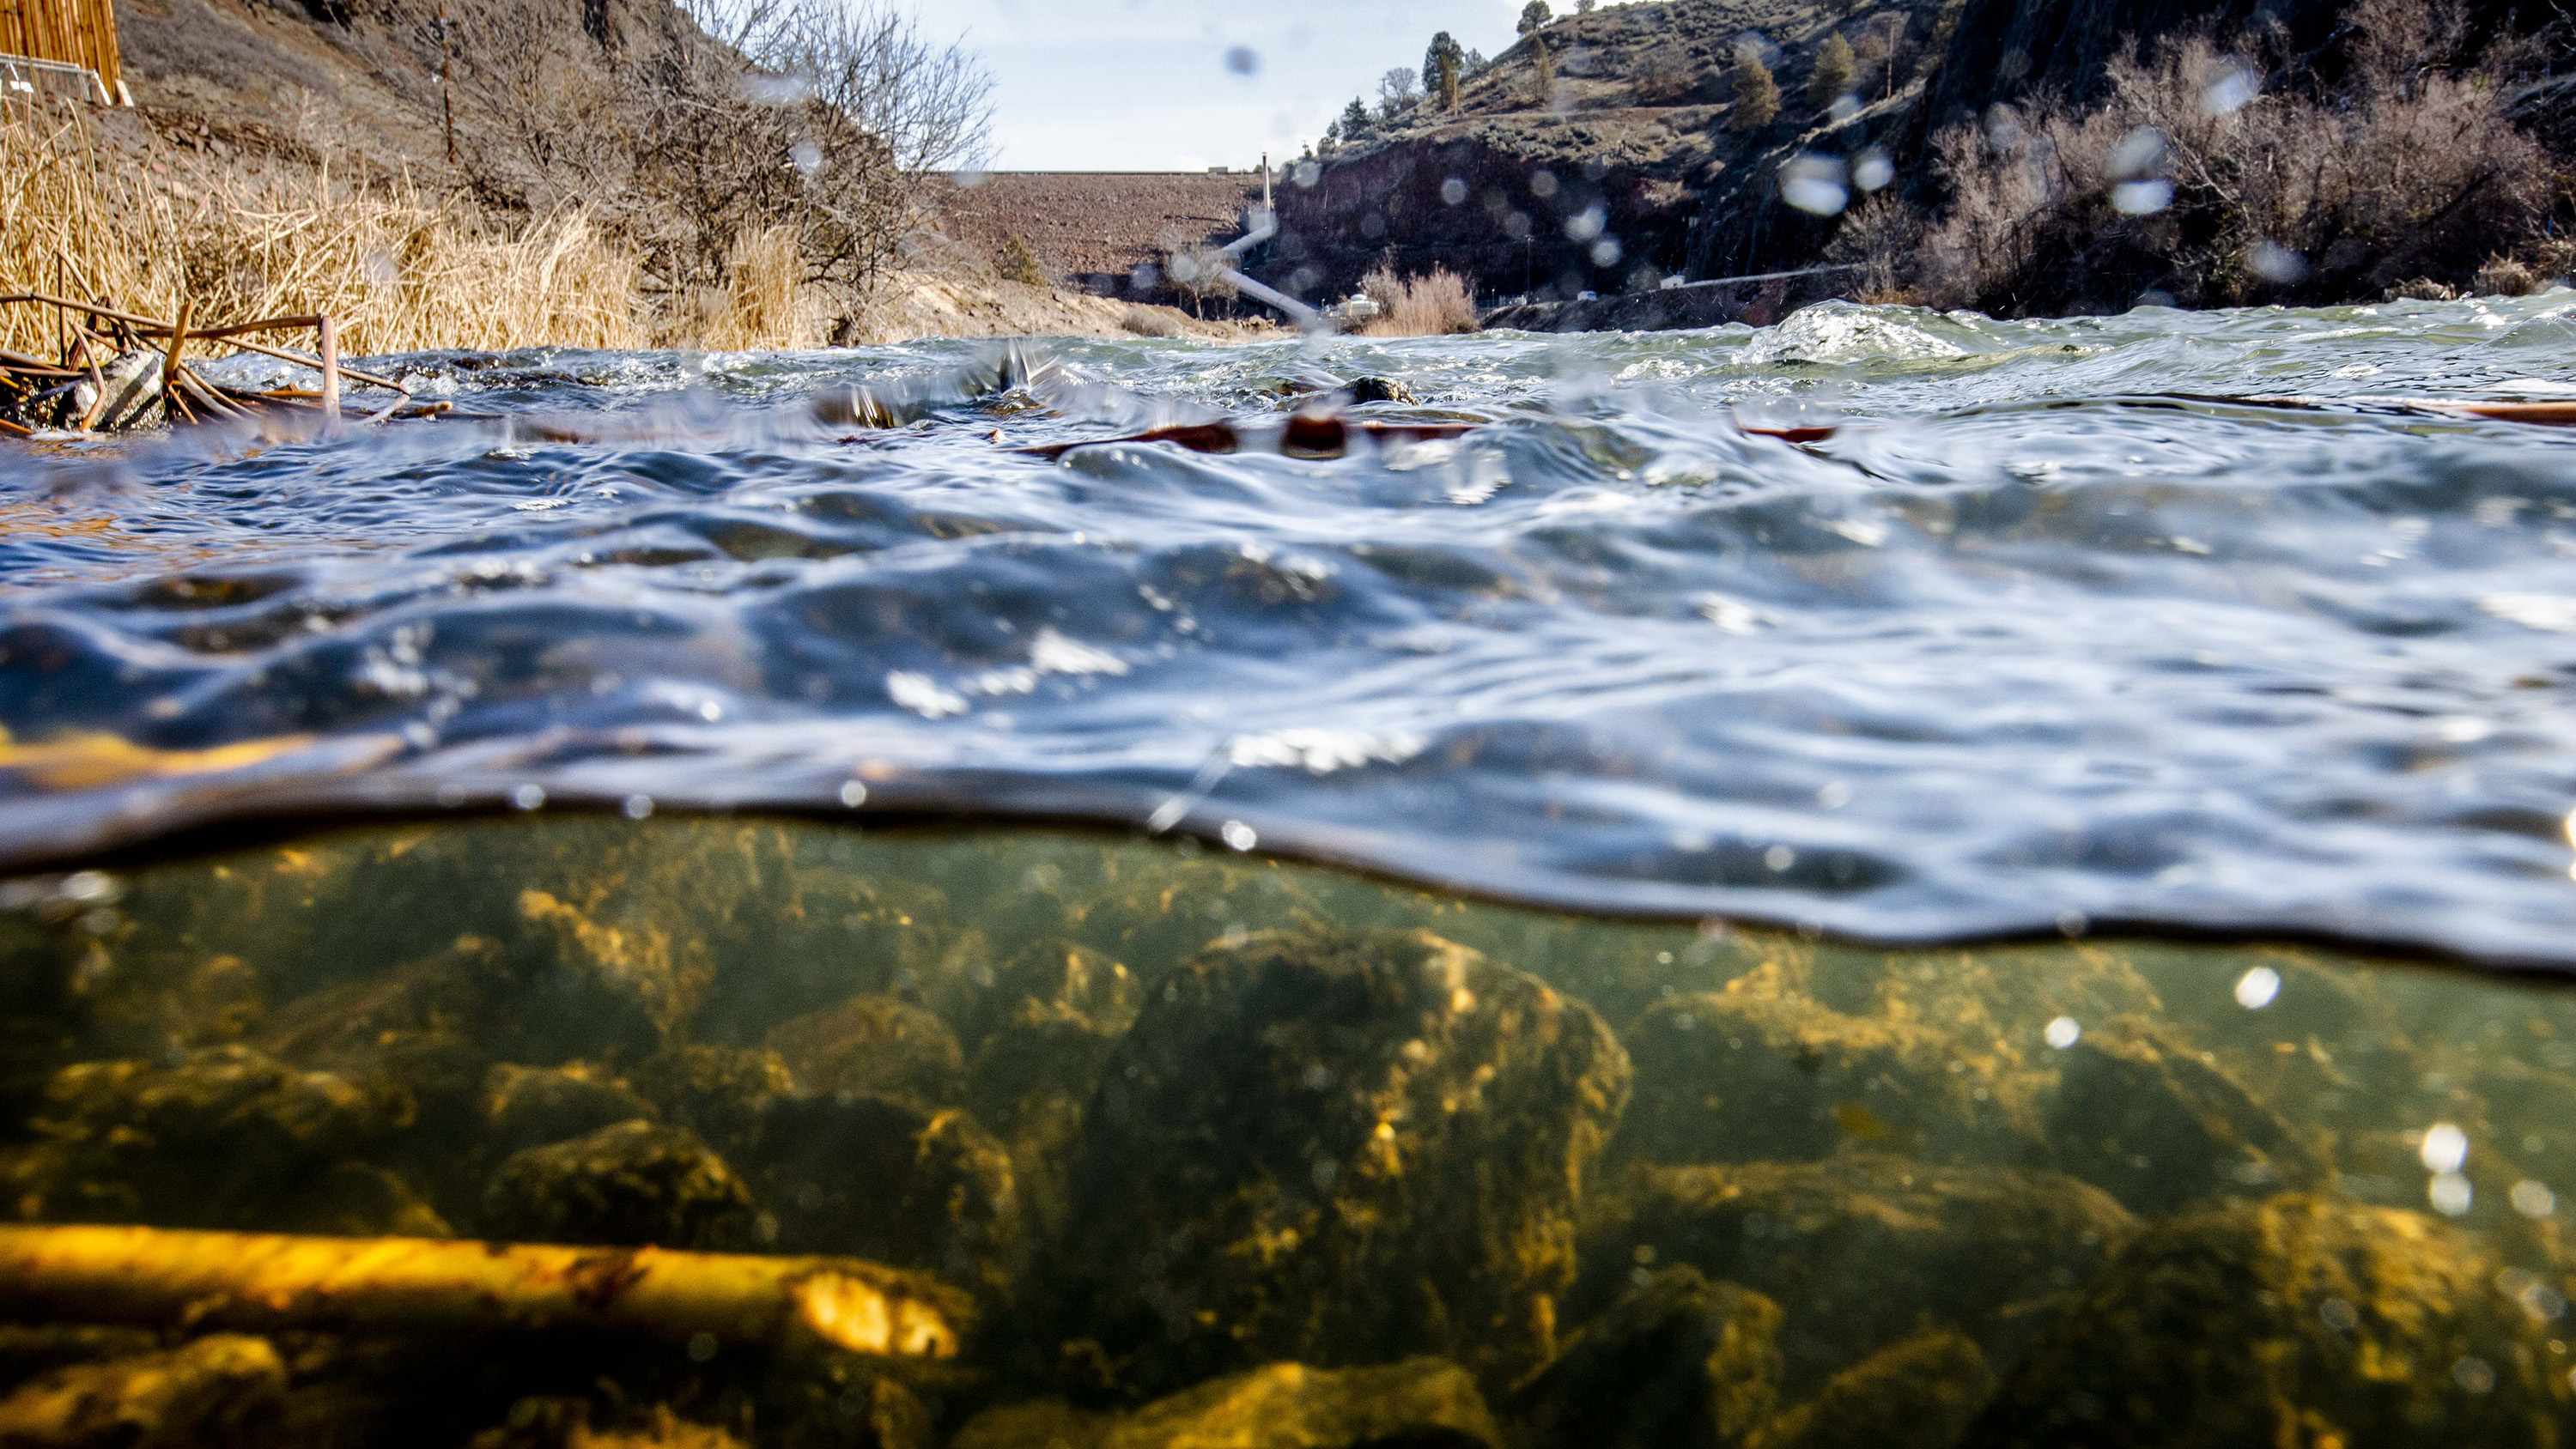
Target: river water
pixel 1896 860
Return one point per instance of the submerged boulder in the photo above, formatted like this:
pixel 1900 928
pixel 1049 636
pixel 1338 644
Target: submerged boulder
pixel 2157 1124
pixel 218 1391
pixel 1920 1393
pixel 887 1178
pixel 873 1043
pixel 1422 1403
pixel 527 1107
pixel 1863 1250
pixel 1677 1360
pixel 632 1184
pixel 1338 1148
pixel 227 1138
pixel 2295 1320
pixel 1743 1076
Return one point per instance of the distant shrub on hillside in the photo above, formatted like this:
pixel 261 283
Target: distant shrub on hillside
pixel 1833 72
pixel 2201 178
pixel 1434 304
pixel 1019 264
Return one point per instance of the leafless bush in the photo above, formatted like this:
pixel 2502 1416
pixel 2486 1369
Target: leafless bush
pixel 2216 184
pixel 1434 304
pixel 1200 273
pixel 1879 238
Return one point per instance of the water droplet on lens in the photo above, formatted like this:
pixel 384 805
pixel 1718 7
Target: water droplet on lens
pixel 853 794
pixel 528 796
pixel 2061 1032
pixel 2533 1200
pixel 1453 191
pixel 638 806
pixel 2445 1148
pixel 1243 60
pixel 2256 988
pixel 1238 835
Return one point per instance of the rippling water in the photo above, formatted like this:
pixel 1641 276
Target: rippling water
pixel 2044 635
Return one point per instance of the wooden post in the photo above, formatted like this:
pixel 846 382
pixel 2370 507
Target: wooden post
pixel 330 369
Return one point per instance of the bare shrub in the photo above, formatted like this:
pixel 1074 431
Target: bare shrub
pixel 1435 304
pixel 2200 177
pixel 1664 75
pixel 1200 273
pixel 1149 322
pixel 2503 277
pixel 1879 237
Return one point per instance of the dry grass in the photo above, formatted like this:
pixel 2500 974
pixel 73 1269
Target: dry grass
pixel 2407 167
pixel 1434 304
pixel 400 271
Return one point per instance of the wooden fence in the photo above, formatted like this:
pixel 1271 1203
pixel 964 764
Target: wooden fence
pixel 72 32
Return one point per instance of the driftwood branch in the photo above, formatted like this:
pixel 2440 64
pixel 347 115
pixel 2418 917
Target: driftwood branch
pixel 269 1282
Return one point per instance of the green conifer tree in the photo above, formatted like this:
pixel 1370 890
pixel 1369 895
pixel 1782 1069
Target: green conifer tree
pixel 1757 95
pixel 1443 64
pixel 1834 71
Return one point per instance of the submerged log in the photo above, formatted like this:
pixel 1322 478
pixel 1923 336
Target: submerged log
pixel 267 1282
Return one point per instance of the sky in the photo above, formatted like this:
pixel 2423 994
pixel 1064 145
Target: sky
pixel 1145 85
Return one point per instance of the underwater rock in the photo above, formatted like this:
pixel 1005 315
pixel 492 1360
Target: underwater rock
pixel 29 1349
pixel 1420 1403
pixel 2294 1320
pixel 1676 1361
pixel 1058 981
pixel 229 1138
pixel 889 1179
pixel 527 1107
pixel 1739 1076
pixel 631 1184
pixel 217 1391
pixel 542 1421
pixel 1919 1393
pixel 873 1044
pixel 1338 1148
pixel 718 1092
pixel 1865 1249
pixel 2157 1124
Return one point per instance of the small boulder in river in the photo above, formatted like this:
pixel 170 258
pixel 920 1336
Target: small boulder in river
pixel 527 1107
pixel 1422 1403
pixel 1865 1249
pixel 1338 1148
pixel 2295 1320
pixel 632 1184
pixel 2157 1123
pixel 1920 1393
pixel 1678 1360
pixel 215 1392
pixel 873 1043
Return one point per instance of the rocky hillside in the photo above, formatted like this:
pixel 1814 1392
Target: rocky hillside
pixel 1610 150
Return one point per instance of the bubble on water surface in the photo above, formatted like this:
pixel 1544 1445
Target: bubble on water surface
pixel 2445 1148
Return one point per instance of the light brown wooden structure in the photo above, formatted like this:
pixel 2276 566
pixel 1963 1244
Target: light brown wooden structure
pixel 68 32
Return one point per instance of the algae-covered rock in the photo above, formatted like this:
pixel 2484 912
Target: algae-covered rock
pixel 1863 1250
pixel 1745 1076
pixel 874 1044
pixel 720 1093
pixel 1338 1148
pixel 527 1107
pixel 2294 1320
pixel 1677 1360
pixel 1058 981
pixel 1421 1403
pixel 632 1184
pixel 887 1178
pixel 2157 1123
pixel 228 1138
pixel 217 1391
pixel 1920 1394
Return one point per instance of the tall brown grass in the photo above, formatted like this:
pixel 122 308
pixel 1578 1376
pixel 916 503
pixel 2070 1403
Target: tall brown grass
pixel 397 269
pixel 1434 304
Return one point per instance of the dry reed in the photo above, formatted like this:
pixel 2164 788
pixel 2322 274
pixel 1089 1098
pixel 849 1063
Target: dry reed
pixel 400 271
pixel 1434 304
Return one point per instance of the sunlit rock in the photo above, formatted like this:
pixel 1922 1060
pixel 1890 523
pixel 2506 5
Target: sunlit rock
pixel 220 1391
pixel 2294 1320
pixel 1864 1249
pixel 1424 1402
pixel 1338 1148
pixel 527 1107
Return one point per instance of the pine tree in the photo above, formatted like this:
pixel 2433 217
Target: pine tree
pixel 1356 124
pixel 1443 65
pixel 1535 16
pixel 1834 72
pixel 1757 96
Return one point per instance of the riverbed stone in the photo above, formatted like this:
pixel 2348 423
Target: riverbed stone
pixel 1750 1076
pixel 1335 1147
pixel 1865 1249
pixel 227 1138
pixel 873 1043
pixel 1676 1360
pixel 526 1107
pixel 2297 1319
pixel 1419 1403
pixel 1919 1393
pixel 218 1391
pixel 888 1178
pixel 632 1185
pixel 2158 1123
